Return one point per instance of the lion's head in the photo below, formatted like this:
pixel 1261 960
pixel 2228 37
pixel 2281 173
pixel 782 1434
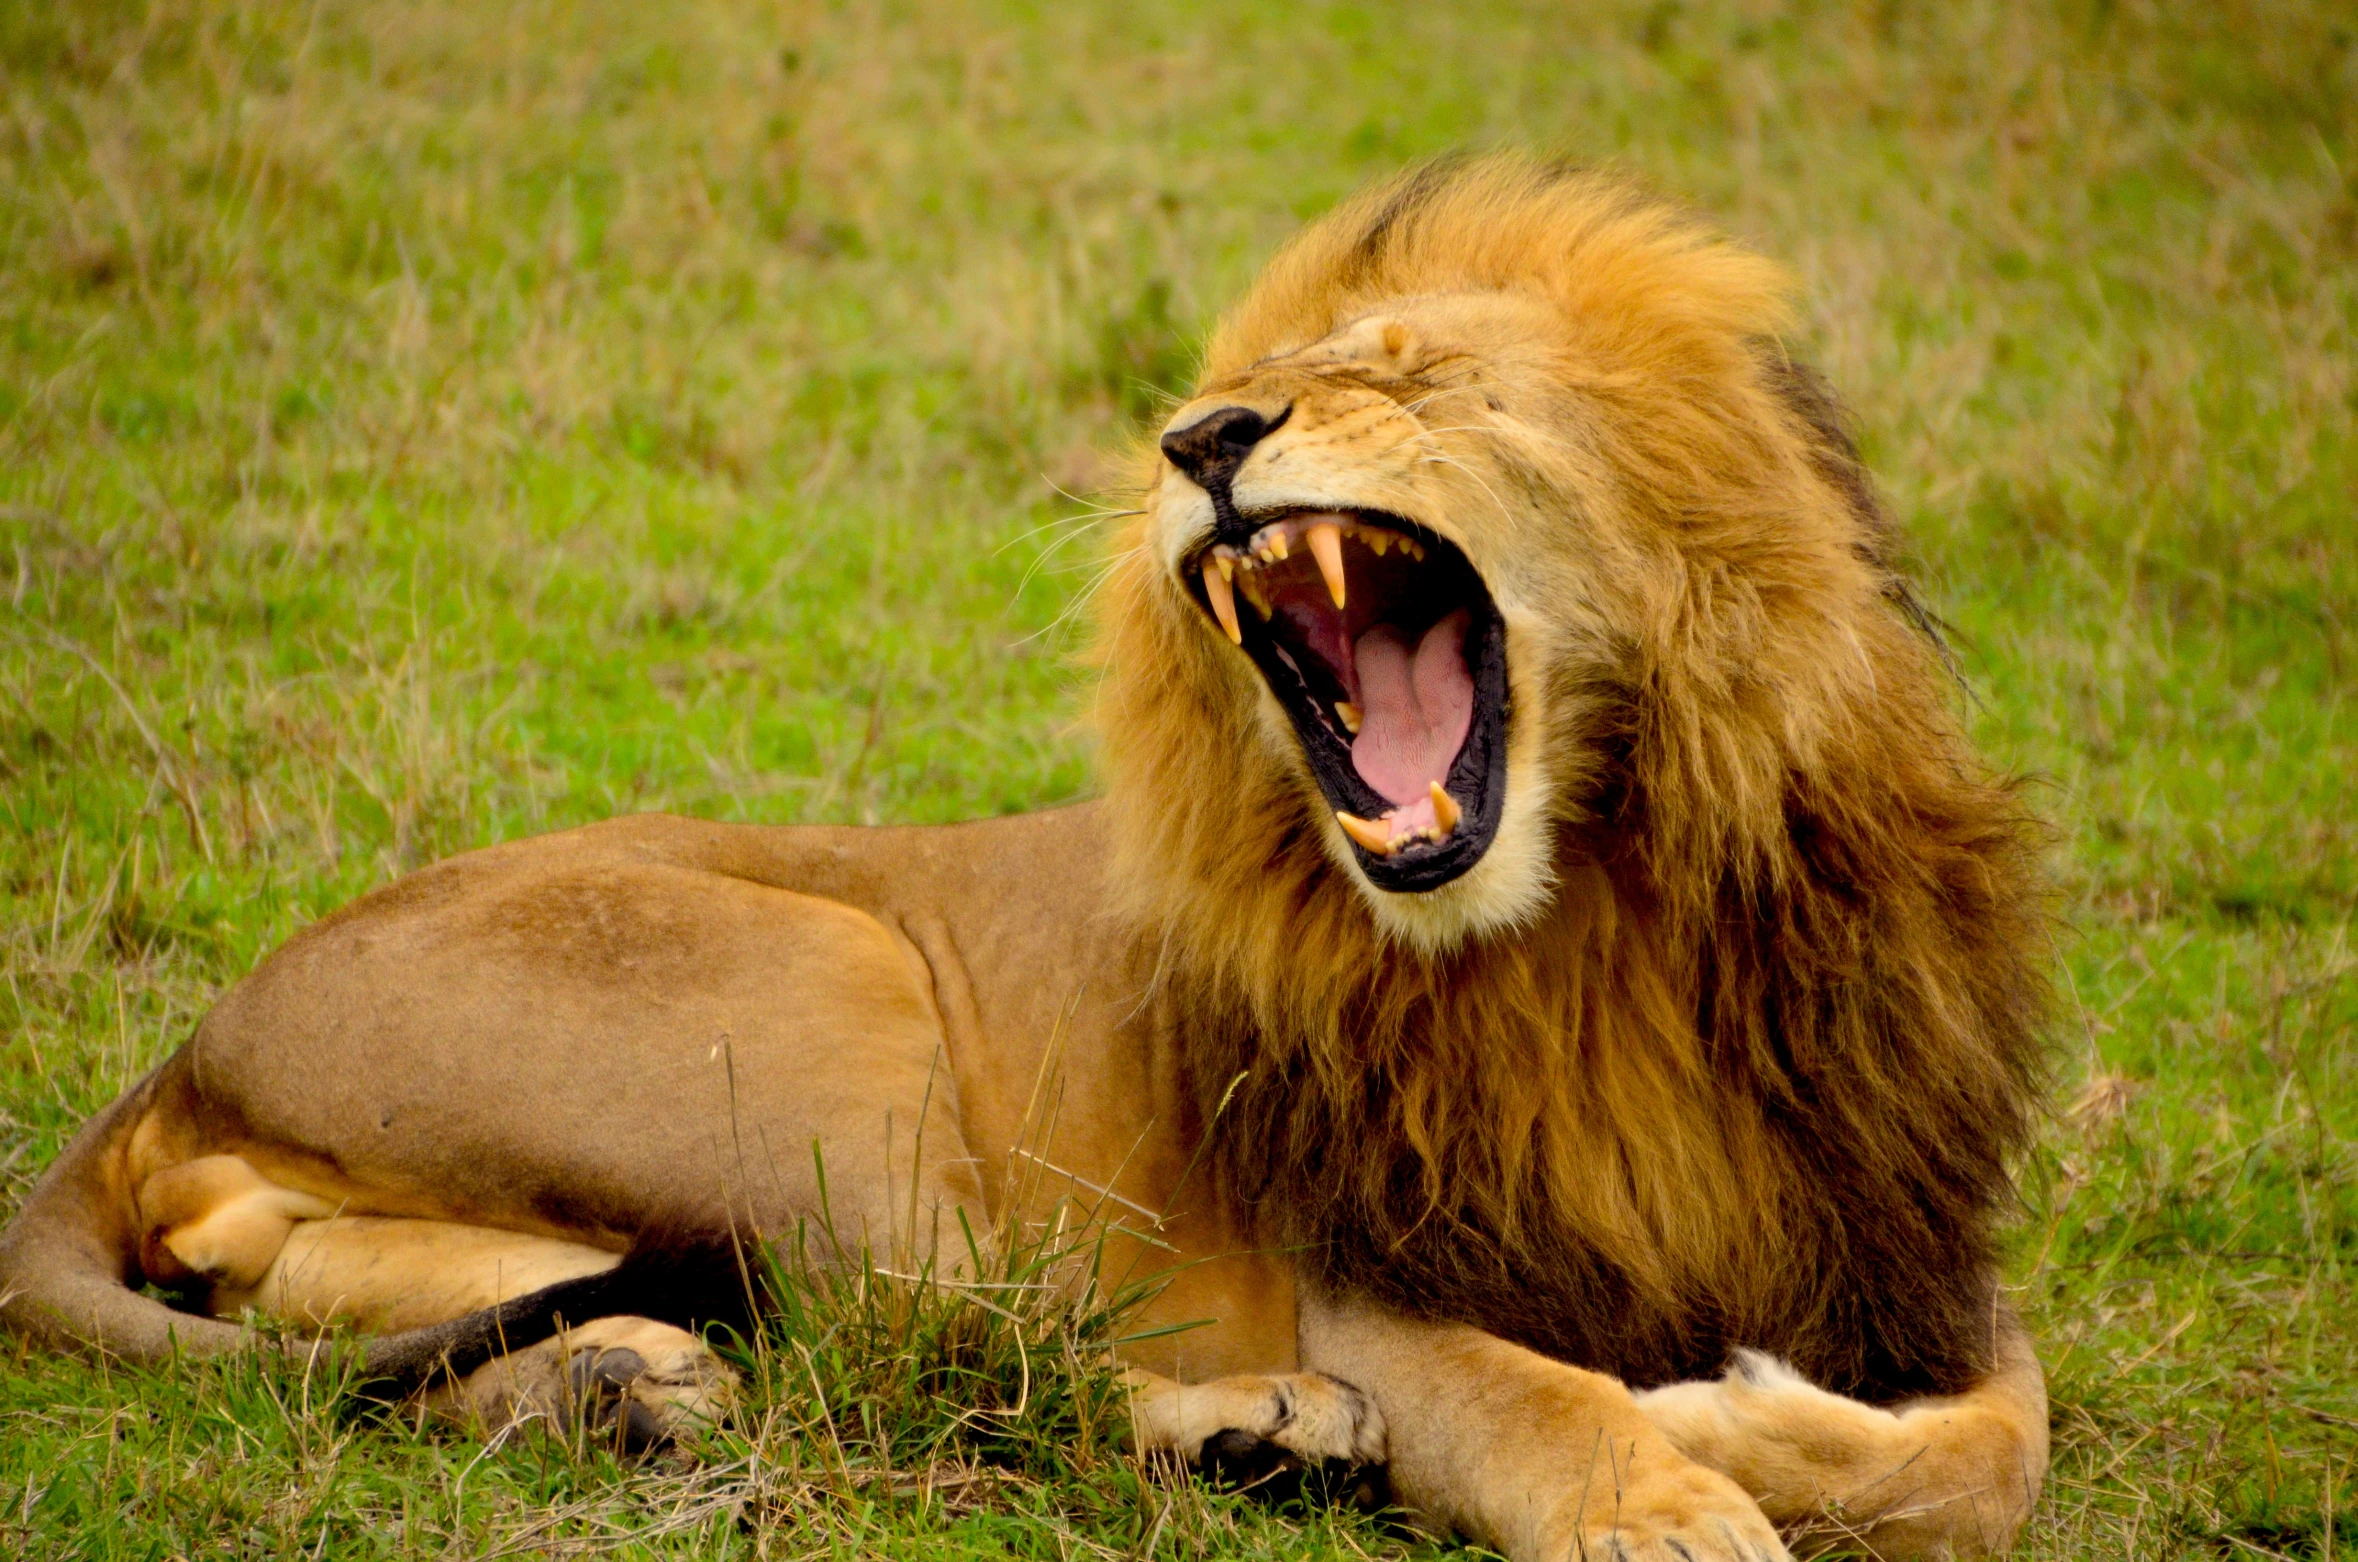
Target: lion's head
pixel 1491 461
pixel 1522 743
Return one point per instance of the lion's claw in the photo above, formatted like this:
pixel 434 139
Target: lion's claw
pixel 1241 1461
pixel 604 1406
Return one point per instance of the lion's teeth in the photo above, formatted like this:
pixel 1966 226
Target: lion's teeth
pixel 1277 544
pixel 1366 832
pixel 1348 714
pixel 1250 585
pixel 1222 596
pixel 1445 810
pixel 1377 542
pixel 1326 543
pixel 1416 549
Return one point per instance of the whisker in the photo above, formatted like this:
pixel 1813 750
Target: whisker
pixel 1495 501
pixel 1082 598
pixel 1040 561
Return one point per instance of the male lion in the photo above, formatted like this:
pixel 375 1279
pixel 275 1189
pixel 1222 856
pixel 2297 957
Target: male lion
pixel 1541 880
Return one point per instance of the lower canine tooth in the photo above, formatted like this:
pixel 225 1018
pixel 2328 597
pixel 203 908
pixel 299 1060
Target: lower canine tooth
pixel 1251 586
pixel 1370 835
pixel 1348 714
pixel 1445 810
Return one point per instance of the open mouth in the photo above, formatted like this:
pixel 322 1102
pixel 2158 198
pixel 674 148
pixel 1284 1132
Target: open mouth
pixel 1384 647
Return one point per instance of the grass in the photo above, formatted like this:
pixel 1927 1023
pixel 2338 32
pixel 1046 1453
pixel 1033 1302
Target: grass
pixel 425 424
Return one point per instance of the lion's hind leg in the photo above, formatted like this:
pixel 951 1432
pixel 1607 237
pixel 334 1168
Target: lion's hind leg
pixel 214 1220
pixel 1951 1477
pixel 634 1380
pixel 217 1227
pixel 384 1275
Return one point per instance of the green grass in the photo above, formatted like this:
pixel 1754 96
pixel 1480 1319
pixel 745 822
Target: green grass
pixel 425 424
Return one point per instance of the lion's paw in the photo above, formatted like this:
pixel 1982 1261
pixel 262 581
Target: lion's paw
pixel 1801 1450
pixel 642 1396
pixel 633 1384
pixel 1686 1515
pixel 1274 1435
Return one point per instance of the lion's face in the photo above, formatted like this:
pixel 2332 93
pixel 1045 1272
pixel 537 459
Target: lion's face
pixel 1364 521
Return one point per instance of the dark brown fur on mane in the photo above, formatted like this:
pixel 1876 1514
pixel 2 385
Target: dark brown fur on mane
pixel 1753 1075
pixel 1864 1158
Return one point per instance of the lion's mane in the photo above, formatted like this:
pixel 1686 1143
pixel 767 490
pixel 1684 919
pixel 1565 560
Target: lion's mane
pixel 1751 1076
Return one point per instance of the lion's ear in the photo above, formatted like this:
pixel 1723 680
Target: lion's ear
pixel 1384 342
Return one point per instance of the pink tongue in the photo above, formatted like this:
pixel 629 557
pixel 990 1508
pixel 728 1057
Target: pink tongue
pixel 1415 706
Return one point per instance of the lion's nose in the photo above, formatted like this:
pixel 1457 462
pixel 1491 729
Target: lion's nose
pixel 1210 449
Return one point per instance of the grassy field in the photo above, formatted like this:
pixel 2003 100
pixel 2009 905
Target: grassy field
pixel 423 424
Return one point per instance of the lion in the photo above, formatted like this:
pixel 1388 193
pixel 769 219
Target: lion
pixel 1546 950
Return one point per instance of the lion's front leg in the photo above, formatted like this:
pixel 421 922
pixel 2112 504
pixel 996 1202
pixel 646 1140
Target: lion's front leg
pixel 1543 1461
pixel 1953 1477
pixel 1244 1430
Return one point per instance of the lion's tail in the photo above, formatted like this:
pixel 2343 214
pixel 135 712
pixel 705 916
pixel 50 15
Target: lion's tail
pixel 70 1258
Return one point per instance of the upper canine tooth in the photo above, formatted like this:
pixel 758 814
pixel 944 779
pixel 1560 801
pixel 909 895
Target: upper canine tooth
pixel 1366 832
pixel 1222 596
pixel 1326 543
pixel 1446 813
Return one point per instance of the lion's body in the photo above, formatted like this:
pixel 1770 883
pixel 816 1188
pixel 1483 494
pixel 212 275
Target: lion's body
pixel 654 1021
pixel 1711 1034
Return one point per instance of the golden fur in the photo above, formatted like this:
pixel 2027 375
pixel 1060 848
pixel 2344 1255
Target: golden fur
pixel 1719 1045
pixel 1765 1036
